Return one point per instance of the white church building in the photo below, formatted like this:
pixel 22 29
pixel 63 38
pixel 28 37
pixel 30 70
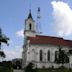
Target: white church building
pixel 42 50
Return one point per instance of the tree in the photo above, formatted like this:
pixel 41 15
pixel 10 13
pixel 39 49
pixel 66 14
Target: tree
pixel 29 67
pixel 3 39
pixel 62 57
pixel 18 64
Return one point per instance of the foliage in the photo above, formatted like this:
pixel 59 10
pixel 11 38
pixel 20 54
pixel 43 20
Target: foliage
pixel 29 68
pixel 3 39
pixel 17 65
pixel 4 69
pixel 2 54
pixel 62 57
pixel 6 66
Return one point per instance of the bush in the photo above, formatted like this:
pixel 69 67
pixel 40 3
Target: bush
pixel 29 68
pixel 6 66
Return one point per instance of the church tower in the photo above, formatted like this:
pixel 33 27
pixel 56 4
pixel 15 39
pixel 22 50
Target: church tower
pixel 30 27
pixel 29 31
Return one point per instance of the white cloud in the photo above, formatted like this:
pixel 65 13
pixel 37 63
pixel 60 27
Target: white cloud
pixel 62 14
pixel 20 33
pixel 10 41
pixel 11 54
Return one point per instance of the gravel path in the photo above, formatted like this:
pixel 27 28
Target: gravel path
pixel 17 71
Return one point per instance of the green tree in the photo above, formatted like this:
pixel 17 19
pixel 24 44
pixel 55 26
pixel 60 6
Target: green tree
pixel 29 68
pixel 3 39
pixel 62 57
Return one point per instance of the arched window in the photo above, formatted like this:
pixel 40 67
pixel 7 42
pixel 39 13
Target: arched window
pixel 56 56
pixel 30 26
pixel 41 55
pixel 48 55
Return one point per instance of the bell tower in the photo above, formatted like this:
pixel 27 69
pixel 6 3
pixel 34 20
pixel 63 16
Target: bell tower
pixel 29 31
pixel 30 27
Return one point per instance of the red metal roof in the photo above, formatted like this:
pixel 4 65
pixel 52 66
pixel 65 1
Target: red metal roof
pixel 49 40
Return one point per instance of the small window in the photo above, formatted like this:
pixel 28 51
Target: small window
pixel 70 51
pixel 32 49
pixel 28 52
pixel 30 26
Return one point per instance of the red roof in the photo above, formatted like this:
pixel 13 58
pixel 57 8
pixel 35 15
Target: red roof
pixel 49 40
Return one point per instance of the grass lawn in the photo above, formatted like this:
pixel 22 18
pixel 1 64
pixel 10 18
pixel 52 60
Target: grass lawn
pixel 5 69
pixel 54 70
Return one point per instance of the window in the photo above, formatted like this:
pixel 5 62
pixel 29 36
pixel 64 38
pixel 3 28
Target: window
pixel 41 55
pixel 28 52
pixel 48 55
pixel 32 49
pixel 70 51
pixel 56 56
pixel 30 26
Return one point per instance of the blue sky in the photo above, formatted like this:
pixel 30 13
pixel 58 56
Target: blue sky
pixel 56 20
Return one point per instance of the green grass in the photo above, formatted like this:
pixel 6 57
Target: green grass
pixel 5 69
pixel 54 70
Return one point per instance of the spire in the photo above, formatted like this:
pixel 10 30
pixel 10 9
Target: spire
pixel 30 15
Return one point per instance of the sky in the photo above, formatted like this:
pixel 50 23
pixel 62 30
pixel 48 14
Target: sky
pixel 56 20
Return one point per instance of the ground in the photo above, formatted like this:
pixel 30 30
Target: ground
pixel 17 71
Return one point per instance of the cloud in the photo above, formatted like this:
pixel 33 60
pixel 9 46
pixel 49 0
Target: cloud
pixel 10 41
pixel 20 33
pixel 11 54
pixel 62 14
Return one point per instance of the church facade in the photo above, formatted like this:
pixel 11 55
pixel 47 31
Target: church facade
pixel 41 50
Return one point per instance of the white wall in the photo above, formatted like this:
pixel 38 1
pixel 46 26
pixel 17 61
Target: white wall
pixel 30 21
pixel 33 55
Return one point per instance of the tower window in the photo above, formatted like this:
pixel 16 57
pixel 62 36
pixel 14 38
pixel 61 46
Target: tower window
pixel 30 26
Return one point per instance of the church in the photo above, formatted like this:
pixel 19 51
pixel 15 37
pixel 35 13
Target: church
pixel 42 50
